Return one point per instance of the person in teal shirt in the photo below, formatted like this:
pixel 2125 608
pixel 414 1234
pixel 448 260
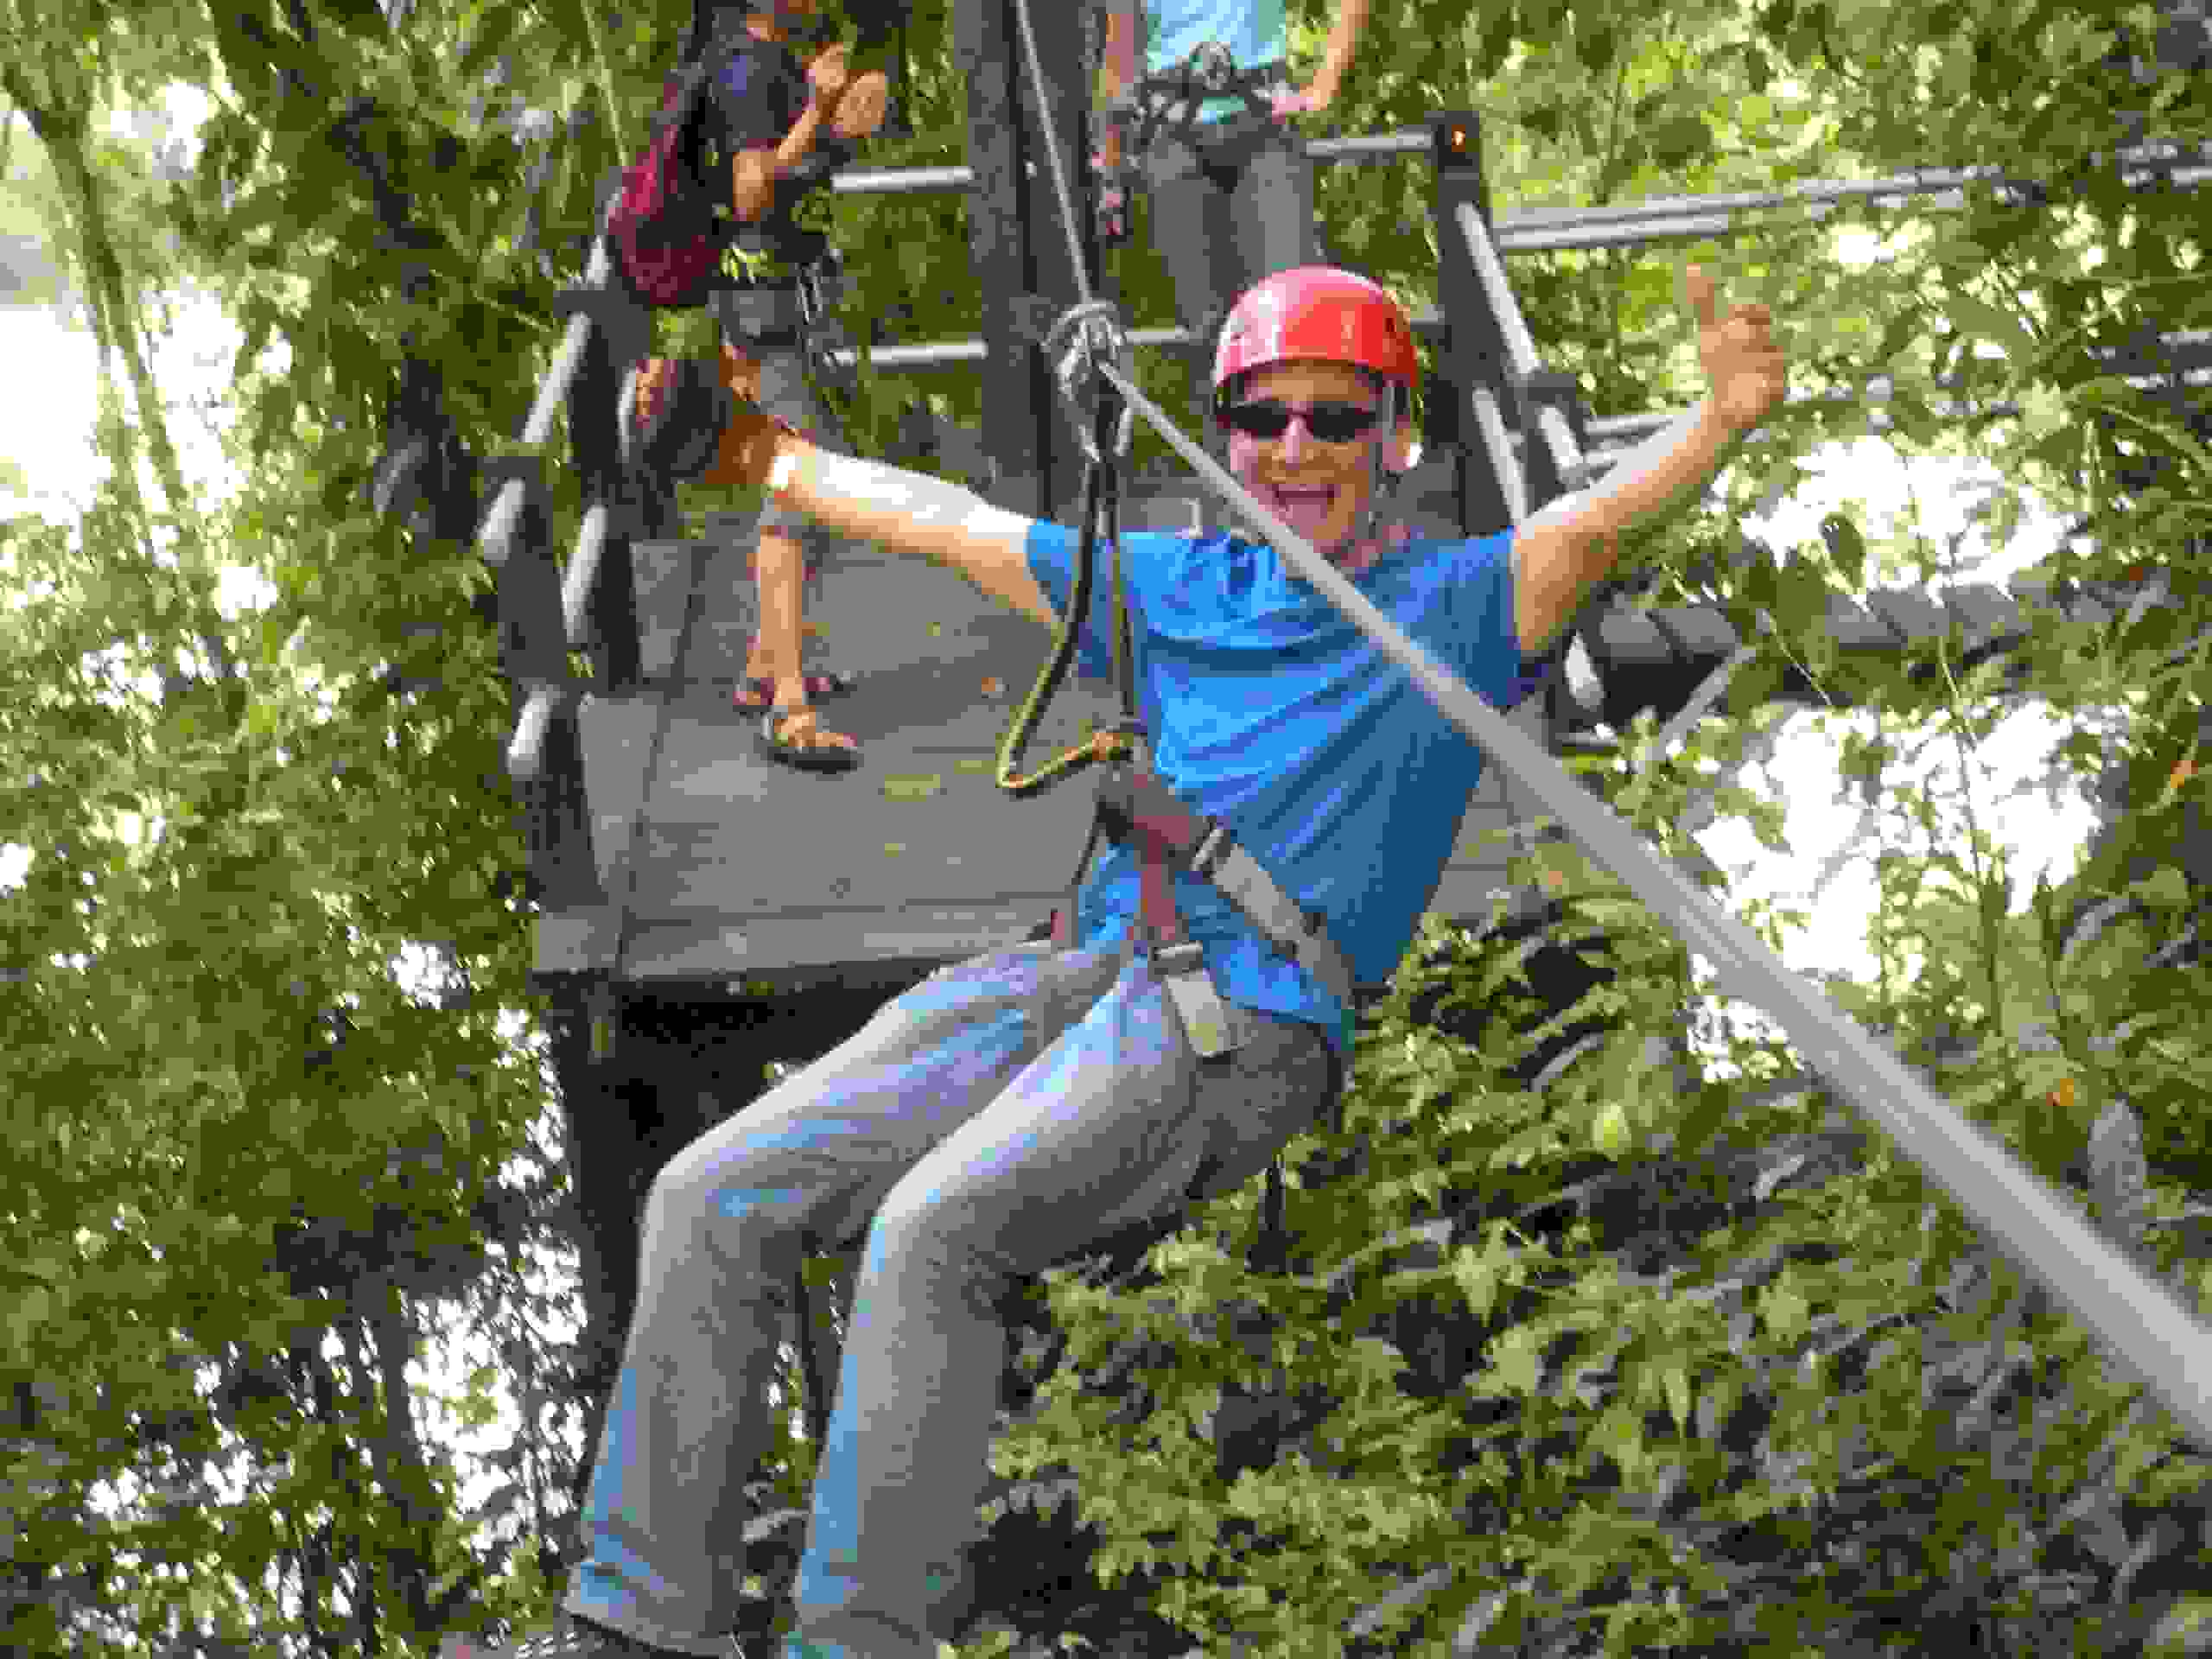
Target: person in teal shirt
pixel 1232 192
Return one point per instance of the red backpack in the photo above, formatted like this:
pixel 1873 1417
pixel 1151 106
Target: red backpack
pixel 668 225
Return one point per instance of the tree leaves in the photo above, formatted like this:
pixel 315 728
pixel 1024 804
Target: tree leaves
pixel 187 1071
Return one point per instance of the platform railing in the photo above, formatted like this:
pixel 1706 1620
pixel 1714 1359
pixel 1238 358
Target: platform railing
pixel 545 661
pixel 552 390
pixel 1521 362
pixel 2138 162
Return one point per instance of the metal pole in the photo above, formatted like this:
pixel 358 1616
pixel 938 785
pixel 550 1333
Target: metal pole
pixel 951 353
pixel 2145 1325
pixel 1552 239
pixel 1041 90
pixel 1369 147
pixel 1897 186
pixel 903 182
pixel 1516 229
pixel 526 754
pixel 583 573
pixel 1490 421
pixel 1520 347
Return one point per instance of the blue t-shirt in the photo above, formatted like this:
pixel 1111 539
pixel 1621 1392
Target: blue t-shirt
pixel 1270 710
pixel 1255 31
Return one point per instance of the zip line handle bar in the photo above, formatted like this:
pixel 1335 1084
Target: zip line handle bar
pixel 2139 1317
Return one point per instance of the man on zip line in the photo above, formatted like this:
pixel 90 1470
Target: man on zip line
pixel 1014 1109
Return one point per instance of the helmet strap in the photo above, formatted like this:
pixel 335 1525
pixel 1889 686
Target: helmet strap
pixel 1381 483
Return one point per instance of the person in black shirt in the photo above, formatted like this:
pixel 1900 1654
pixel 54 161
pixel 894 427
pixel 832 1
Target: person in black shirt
pixel 769 112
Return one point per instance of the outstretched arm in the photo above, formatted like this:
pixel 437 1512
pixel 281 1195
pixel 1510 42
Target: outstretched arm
pixel 1117 74
pixel 1118 65
pixel 1568 547
pixel 1336 56
pixel 908 512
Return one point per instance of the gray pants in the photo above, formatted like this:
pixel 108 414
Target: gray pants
pixel 994 1120
pixel 1232 204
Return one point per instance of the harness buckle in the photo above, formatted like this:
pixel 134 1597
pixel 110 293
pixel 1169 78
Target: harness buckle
pixel 1207 1021
pixel 1213 66
pixel 1211 847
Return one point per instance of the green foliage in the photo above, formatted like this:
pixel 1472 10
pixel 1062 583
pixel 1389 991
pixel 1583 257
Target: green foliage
pixel 1652 1361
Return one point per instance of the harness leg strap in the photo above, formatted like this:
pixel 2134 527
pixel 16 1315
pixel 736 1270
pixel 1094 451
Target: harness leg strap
pixel 1179 962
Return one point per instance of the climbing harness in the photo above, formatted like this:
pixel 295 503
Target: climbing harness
pixel 1173 99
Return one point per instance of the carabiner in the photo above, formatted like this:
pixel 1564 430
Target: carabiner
pixel 1213 66
pixel 1077 340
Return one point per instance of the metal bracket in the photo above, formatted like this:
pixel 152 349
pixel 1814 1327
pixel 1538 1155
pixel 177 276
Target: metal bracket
pixel 1206 1020
pixel 1032 317
pixel 522 466
pixel 625 325
pixel 1546 388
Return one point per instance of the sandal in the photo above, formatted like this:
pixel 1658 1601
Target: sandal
pixel 756 694
pixel 802 757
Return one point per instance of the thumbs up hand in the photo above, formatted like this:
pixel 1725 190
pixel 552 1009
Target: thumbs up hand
pixel 1746 368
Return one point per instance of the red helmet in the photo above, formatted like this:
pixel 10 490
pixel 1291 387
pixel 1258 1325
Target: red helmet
pixel 1316 312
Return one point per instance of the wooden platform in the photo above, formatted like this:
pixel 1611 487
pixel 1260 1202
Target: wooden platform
pixel 735 867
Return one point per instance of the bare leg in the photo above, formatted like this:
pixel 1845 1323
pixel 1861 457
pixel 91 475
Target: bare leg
pixel 779 570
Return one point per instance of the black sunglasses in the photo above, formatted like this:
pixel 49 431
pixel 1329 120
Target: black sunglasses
pixel 1330 423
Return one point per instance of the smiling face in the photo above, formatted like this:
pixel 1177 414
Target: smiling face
pixel 1319 489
